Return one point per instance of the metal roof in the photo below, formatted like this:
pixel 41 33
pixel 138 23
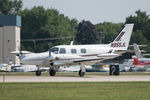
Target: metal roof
pixel 10 20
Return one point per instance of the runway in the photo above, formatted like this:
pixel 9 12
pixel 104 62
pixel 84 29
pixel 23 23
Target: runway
pixel 122 78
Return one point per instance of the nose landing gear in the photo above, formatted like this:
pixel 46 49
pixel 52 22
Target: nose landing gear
pixel 82 70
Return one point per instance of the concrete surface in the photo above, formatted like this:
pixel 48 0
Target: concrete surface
pixel 122 78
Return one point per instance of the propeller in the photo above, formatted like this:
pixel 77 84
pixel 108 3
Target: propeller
pixel 20 52
pixel 49 44
pixel 50 56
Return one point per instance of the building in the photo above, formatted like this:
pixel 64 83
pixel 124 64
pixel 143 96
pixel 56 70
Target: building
pixel 9 38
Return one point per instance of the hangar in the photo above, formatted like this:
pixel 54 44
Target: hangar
pixel 9 38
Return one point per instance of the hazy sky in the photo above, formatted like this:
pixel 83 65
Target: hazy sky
pixel 95 11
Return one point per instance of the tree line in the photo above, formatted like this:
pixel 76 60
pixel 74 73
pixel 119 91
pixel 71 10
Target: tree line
pixel 39 23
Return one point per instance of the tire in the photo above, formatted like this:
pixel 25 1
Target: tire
pixel 38 73
pixel 52 72
pixel 81 74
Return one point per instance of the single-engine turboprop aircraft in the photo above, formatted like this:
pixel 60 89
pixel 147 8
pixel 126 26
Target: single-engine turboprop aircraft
pixel 78 54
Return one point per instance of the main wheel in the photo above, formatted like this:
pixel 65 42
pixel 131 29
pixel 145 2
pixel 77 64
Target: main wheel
pixel 81 73
pixel 52 72
pixel 38 73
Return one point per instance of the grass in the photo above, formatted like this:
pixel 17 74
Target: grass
pixel 75 91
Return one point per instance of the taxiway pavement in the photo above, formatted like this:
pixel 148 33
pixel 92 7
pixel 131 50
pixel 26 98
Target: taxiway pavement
pixel 122 78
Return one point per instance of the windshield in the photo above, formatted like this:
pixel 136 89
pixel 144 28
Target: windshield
pixel 55 50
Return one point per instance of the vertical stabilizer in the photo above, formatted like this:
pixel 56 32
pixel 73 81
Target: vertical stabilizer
pixel 137 51
pixel 121 42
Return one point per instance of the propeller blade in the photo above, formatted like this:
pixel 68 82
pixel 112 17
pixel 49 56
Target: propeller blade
pixel 49 44
pixel 20 52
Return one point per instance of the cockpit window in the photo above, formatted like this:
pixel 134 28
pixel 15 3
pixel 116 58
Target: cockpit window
pixel 55 50
pixel 62 51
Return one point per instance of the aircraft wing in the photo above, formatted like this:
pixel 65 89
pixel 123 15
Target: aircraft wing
pixel 99 57
pixel 87 59
pixel 73 60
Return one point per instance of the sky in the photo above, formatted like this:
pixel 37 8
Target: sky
pixel 95 11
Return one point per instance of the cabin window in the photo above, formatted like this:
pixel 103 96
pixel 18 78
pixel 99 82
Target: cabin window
pixel 83 50
pixel 73 51
pixel 62 51
pixel 55 50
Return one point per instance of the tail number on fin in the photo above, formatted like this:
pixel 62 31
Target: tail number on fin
pixel 118 45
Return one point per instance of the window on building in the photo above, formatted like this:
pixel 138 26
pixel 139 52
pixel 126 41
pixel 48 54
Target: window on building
pixel 83 50
pixel 62 51
pixel 73 51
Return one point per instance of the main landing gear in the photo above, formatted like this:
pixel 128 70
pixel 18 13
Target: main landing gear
pixel 38 73
pixel 82 70
pixel 52 72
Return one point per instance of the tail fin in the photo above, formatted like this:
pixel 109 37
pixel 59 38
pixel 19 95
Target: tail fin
pixel 136 61
pixel 137 51
pixel 121 42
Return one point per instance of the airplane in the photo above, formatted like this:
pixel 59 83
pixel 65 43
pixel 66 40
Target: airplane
pixel 138 53
pixel 19 68
pixel 73 68
pixel 127 65
pixel 137 62
pixel 141 66
pixel 24 68
pixel 140 62
pixel 82 55
pixel 4 68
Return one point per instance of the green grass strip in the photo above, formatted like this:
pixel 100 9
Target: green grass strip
pixel 75 91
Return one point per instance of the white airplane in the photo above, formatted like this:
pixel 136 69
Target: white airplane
pixel 4 68
pixel 74 68
pixel 62 55
pixel 140 62
pixel 24 68
pixel 138 53
pixel 19 68
pixel 127 65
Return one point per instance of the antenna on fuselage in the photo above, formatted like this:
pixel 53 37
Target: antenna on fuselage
pixel 71 43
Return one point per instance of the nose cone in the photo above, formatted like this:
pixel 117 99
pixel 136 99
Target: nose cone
pixel 23 61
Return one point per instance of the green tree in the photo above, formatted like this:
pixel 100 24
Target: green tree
pixel 109 31
pixel 86 33
pixel 141 27
pixel 137 37
pixel 8 7
pixel 39 22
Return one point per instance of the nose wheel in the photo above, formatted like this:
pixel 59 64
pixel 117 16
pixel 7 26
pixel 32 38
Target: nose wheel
pixel 81 73
pixel 38 73
pixel 82 70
